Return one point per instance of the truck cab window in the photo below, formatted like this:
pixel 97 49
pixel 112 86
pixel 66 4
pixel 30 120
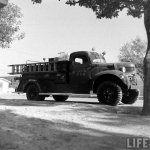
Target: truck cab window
pixel 97 58
pixel 80 60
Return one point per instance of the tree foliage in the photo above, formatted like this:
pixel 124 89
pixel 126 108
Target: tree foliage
pixel 109 8
pixel 10 23
pixel 36 1
pixel 134 51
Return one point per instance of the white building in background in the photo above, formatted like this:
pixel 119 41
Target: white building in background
pixel 4 85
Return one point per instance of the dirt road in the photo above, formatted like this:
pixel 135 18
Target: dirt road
pixel 77 124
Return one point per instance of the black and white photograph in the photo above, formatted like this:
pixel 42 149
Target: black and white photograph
pixel 74 74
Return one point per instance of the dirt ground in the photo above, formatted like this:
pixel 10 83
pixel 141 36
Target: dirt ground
pixel 77 124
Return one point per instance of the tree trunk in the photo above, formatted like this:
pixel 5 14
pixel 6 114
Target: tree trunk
pixel 146 105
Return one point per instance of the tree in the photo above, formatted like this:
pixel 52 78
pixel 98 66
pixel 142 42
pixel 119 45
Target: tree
pixel 3 3
pixel 10 25
pixel 134 51
pixel 110 9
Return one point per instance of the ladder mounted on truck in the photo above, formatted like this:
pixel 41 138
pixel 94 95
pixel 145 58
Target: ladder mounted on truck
pixel 34 67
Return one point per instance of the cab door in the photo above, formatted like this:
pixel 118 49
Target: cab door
pixel 79 74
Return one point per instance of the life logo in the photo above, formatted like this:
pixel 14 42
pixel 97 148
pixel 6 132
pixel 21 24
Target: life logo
pixel 137 143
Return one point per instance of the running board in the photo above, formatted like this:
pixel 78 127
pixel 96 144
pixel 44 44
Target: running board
pixel 69 94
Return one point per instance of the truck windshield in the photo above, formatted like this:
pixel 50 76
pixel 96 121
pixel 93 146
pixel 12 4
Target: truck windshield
pixel 97 58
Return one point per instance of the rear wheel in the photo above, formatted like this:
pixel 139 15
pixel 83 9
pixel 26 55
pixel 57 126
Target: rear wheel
pixel 32 93
pixel 60 98
pixel 130 97
pixel 109 93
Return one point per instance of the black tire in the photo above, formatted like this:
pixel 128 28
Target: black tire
pixel 60 98
pixel 130 97
pixel 109 93
pixel 32 93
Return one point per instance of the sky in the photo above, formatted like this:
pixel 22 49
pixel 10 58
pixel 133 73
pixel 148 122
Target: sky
pixel 53 27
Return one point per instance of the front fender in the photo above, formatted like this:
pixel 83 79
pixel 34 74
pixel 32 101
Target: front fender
pixel 111 75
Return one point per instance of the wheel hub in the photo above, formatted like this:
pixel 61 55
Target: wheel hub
pixel 108 94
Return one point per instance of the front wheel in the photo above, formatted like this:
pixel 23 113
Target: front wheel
pixel 130 97
pixel 32 93
pixel 60 98
pixel 109 93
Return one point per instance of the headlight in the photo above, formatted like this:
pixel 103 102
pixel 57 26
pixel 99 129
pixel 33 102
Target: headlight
pixel 123 69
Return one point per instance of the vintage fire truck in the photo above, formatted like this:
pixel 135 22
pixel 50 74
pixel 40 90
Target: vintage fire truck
pixel 85 72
